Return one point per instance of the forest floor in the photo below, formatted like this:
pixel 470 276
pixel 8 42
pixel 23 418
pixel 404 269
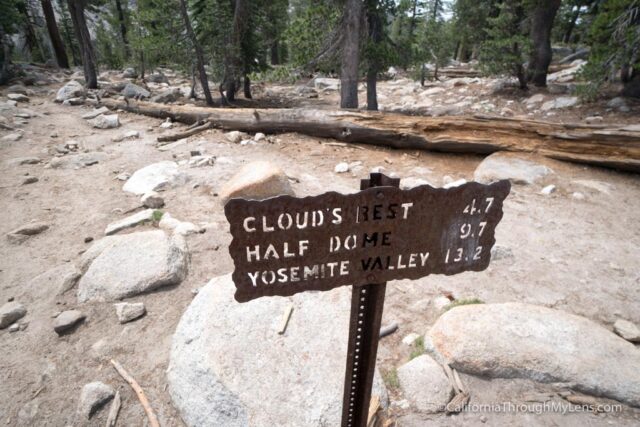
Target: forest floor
pixel 578 254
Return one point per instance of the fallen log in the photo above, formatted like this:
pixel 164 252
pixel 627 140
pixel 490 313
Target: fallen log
pixel 616 147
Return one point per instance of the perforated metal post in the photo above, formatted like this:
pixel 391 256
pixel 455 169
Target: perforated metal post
pixel 367 303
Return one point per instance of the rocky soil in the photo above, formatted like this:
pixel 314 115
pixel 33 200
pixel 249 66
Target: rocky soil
pixel 567 248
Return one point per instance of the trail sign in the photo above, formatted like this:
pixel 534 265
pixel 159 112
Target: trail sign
pixel 285 245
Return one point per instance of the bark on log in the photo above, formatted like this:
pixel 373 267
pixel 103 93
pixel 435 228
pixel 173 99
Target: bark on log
pixel 616 147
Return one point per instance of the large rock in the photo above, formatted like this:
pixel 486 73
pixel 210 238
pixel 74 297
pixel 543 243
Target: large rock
pixel 10 312
pixel 128 312
pixel 156 176
pixel 71 90
pixel 157 78
pixel 129 222
pixel 326 83
pixel 105 121
pixel 169 95
pixel 134 91
pixel 257 180
pixel 515 340
pixel 560 102
pixel 627 330
pixel 509 166
pixel 230 367
pixel 67 321
pixel 117 267
pixel 425 384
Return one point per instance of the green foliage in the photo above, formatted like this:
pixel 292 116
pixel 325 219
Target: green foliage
pixel 156 216
pixel 403 30
pixel 470 22
pixel 463 301
pixel 507 43
pixel 436 38
pixel 418 348
pixel 308 30
pixel 10 18
pixel 277 74
pixel 615 44
pixel 391 379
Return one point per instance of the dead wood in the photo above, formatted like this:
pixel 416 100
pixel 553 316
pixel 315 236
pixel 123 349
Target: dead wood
pixel 153 419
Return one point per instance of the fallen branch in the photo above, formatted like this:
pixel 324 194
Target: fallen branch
pixel 615 147
pixel 114 411
pixel 186 133
pixel 153 420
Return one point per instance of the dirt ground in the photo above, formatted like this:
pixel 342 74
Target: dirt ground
pixel 578 255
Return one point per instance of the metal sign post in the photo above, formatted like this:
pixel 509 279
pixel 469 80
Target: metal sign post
pixel 285 245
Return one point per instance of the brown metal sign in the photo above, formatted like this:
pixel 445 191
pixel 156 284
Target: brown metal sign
pixel 285 245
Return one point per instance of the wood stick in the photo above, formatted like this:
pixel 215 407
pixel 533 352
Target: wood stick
pixel 114 411
pixel 459 383
pixel 153 420
pixel 374 406
pixel 285 319
pixel 185 134
pixel 612 146
pixel 452 380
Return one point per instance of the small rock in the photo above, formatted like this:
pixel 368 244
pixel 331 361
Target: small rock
pixel 410 339
pixel 19 161
pixel 29 180
pixel 341 168
pixel 517 169
pixel 73 101
pixel 560 102
pixel 617 102
pixel 169 95
pixel 132 134
pixel 425 384
pixel 152 200
pixel 28 230
pixel 10 313
pixel 169 223
pixel 158 78
pixel 129 73
pixel 93 397
pixel 456 183
pixel 129 222
pixel 167 124
pixel 578 196
pixel 95 113
pixel 537 98
pixel 88 239
pixel 259 136
pixel 627 330
pixel 72 89
pixel 548 190
pixel 128 312
pixel 18 97
pixel 235 136
pixel 67 320
pixel 501 252
pixel 410 182
pixel 105 121
pixel 134 91
pixel 594 119
pixel 14 328
pixel 155 177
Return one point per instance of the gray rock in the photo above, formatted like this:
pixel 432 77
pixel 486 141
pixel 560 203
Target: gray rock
pixel 152 200
pixel 12 137
pixel 29 180
pixel 326 83
pixel 129 73
pixel 23 232
pixel 130 134
pixel 95 113
pixel 410 182
pixel 551 188
pixel 617 103
pixel 515 340
pixel 67 320
pixel 128 312
pixel 157 78
pixel 18 97
pixel 627 330
pixel 582 53
pixel 129 222
pixel 72 89
pixel 134 91
pixel 14 328
pixel 56 281
pixel 171 224
pixel 17 89
pixel 560 102
pixel 509 166
pixel 169 95
pixel 257 181
pixel 235 136
pixel 104 121
pixel 73 101
pixel 19 161
pixel 77 161
pixel 425 384
pixel 11 312
pixel 93 397
pixel 230 367
pixel 117 267
pixel 342 167
pixel 156 176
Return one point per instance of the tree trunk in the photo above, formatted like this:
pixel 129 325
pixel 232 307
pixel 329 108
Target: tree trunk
pixel 5 57
pixel 374 21
pixel 247 87
pixel 67 32
pixel 543 15
pixel 123 29
pixel 233 63
pixel 198 49
pixel 350 54
pixel 275 53
pixel 572 25
pixel 54 34
pixel 76 9
pixel 615 147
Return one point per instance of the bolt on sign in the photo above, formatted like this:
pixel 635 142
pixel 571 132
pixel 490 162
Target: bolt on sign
pixel 285 245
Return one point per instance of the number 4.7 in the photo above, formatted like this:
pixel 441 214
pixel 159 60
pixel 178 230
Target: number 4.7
pixel 471 208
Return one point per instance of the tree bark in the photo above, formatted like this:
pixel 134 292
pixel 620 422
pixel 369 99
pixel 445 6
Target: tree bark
pixel 204 82
pixel 350 55
pixel 612 147
pixel 374 21
pixel 5 57
pixel 275 53
pixel 543 15
pixel 123 29
pixel 233 61
pixel 76 10
pixel 247 87
pixel 54 34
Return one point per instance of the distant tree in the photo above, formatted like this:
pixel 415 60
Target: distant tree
pixel 352 18
pixel 543 13
pixel 198 52
pixel 89 63
pixel 470 21
pixel 507 44
pixel 403 30
pixel 314 35
pixel 378 52
pixel 54 34
pixel 9 20
pixel 436 41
